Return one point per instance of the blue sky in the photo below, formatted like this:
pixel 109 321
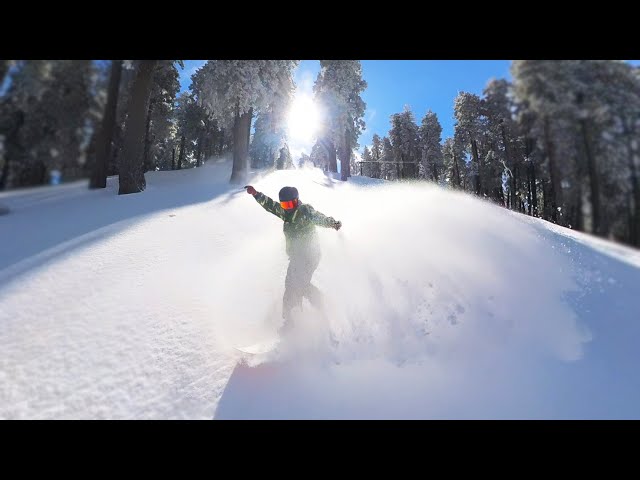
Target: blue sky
pixel 421 84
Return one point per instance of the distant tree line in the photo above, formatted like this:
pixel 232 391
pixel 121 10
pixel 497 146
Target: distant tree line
pixel 561 143
pixel 93 119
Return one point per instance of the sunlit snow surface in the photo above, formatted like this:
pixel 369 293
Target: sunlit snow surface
pixel 444 306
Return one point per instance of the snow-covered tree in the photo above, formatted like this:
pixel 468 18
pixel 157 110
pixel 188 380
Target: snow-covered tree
pixel 131 175
pixel 429 142
pixel 284 161
pixel 569 99
pixel 366 154
pixel 469 128
pixel 159 123
pixel 376 156
pixel 46 121
pixel 304 160
pixel 104 137
pixel 232 90
pixel 267 141
pixel 454 165
pixel 320 156
pixel 405 141
pixel 388 168
pixel 376 148
pixel 191 122
pixel 616 147
pixel 4 69
pixel 366 167
pixel 337 90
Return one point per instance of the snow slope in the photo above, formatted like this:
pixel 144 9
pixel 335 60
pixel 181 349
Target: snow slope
pixel 445 306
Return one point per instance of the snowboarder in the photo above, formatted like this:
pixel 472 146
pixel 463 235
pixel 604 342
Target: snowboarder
pixel 302 246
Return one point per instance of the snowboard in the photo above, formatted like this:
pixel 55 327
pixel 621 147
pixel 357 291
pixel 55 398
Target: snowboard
pixel 259 348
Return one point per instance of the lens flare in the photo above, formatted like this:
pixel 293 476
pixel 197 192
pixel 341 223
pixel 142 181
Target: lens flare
pixel 303 120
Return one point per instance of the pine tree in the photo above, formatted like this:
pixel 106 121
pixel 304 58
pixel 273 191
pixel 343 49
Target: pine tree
pixel 131 174
pixel 469 128
pixel 158 128
pixel 5 65
pixel 429 143
pixel 105 135
pixel 47 121
pixel 337 90
pixel 376 156
pixel 319 156
pixel 366 168
pixel 284 162
pixel 193 124
pixel 455 166
pixel 405 140
pixel 388 167
pixel 232 90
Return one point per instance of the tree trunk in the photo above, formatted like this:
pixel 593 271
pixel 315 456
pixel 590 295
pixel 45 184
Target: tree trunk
pixel 555 192
pixel 146 162
pixel 508 160
pixel 546 208
pixel 199 148
pixel 529 188
pixel 221 141
pixel 104 140
pixel 592 169
pixel 635 187
pixel 534 188
pixel 476 160
pixel 514 188
pixel 173 159
pixel 579 221
pixel 345 165
pixel 181 156
pixel 241 127
pixel 332 155
pixel 12 147
pixel 529 145
pixel 456 171
pixel 249 128
pixel 5 174
pixel 4 68
pixel 631 238
pixel 131 176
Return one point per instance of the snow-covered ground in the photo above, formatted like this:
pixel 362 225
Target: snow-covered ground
pixel 444 306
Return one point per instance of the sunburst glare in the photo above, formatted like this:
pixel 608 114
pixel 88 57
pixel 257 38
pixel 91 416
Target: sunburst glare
pixel 303 120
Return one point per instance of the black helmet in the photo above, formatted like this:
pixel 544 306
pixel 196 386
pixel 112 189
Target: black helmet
pixel 288 193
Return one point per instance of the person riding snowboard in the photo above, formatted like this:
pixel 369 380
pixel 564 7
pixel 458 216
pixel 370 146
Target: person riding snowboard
pixel 302 246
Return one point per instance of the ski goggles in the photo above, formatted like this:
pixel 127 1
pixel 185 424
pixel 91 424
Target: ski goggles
pixel 288 205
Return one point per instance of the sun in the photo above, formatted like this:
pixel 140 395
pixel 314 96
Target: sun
pixel 303 120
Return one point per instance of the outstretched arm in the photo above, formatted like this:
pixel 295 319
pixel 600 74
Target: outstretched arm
pixel 268 204
pixel 322 220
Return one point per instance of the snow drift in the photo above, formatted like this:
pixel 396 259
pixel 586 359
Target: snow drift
pixel 445 306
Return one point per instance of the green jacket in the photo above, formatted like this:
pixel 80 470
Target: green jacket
pixel 299 224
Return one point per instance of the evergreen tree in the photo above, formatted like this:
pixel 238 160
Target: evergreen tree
pixel 469 128
pixel 429 142
pixel 131 174
pixel 337 90
pixel 389 170
pixel 405 142
pixel 105 133
pixel 231 90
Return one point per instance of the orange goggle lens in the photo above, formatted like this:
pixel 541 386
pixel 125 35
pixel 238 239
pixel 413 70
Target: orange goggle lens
pixel 289 205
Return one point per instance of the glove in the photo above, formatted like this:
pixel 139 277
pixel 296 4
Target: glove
pixel 337 224
pixel 251 190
